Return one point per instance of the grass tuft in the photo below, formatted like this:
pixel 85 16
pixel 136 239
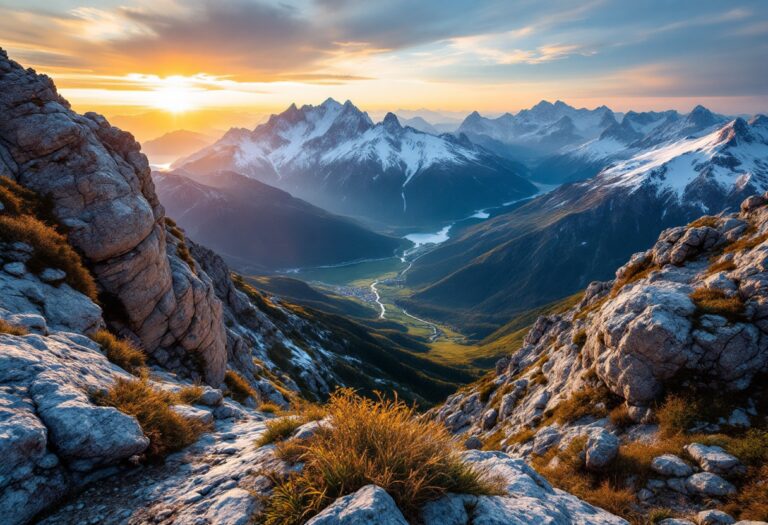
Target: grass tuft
pixel 676 415
pixel 167 431
pixel 706 220
pixel 238 387
pixel 716 302
pixel 121 352
pixel 279 429
pixel 374 442
pixel 189 395
pixel 51 250
pixel 591 401
pixel 8 328
pixel 620 417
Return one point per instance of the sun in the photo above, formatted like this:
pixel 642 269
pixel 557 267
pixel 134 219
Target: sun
pixel 175 99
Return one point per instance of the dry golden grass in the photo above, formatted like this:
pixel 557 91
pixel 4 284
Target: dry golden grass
pixel 189 395
pixel 746 243
pixel 238 387
pixel 591 401
pixel 269 408
pixel 373 442
pixel 660 514
pixel 279 429
pixel 619 416
pixel 493 441
pixel 121 352
pixel 167 431
pixel 751 502
pixel 523 436
pixel 676 415
pixel 51 250
pixel 722 266
pixel 7 328
pixel 706 220
pixel 715 301
pixel 569 473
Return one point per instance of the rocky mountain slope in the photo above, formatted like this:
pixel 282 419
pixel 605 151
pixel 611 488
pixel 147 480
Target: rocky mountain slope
pixel 136 374
pixel 335 157
pixel 556 244
pixel 649 393
pixel 259 228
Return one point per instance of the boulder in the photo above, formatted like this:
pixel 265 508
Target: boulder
pixel 84 435
pixel 234 507
pixel 194 413
pixel 713 458
pixel 473 443
pixel 708 484
pixel 371 505
pixel 489 419
pixel 529 497
pixel 713 517
pixel 671 465
pixel 601 449
pixel 545 438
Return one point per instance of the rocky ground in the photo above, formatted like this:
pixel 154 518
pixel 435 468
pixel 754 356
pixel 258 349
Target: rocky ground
pixel 689 316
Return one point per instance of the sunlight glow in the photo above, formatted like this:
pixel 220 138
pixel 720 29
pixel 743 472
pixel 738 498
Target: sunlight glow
pixel 174 95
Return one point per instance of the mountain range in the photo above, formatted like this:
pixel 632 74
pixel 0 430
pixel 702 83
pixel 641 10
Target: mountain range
pixel 258 228
pixel 557 243
pixel 334 156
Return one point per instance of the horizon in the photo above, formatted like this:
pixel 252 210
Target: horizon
pixel 173 61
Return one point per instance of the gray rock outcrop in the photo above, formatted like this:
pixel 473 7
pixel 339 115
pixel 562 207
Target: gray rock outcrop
pixel 100 187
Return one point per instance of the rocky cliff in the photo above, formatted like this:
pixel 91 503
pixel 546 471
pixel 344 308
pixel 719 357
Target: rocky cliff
pixel 647 369
pixel 100 188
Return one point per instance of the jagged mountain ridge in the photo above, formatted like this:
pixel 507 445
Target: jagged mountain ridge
pixel 557 243
pixel 334 156
pixel 636 133
pixel 544 128
pixel 259 228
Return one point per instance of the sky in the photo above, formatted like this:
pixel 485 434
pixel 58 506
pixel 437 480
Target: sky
pixel 161 64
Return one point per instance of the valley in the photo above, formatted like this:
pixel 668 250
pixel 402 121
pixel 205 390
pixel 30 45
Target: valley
pixel 380 285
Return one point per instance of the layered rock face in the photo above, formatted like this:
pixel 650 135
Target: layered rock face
pixel 100 187
pixel 687 315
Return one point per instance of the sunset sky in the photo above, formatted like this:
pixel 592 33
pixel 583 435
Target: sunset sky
pixel 196 63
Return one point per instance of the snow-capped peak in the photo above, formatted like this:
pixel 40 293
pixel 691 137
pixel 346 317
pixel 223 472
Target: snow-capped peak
pixel 732 155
